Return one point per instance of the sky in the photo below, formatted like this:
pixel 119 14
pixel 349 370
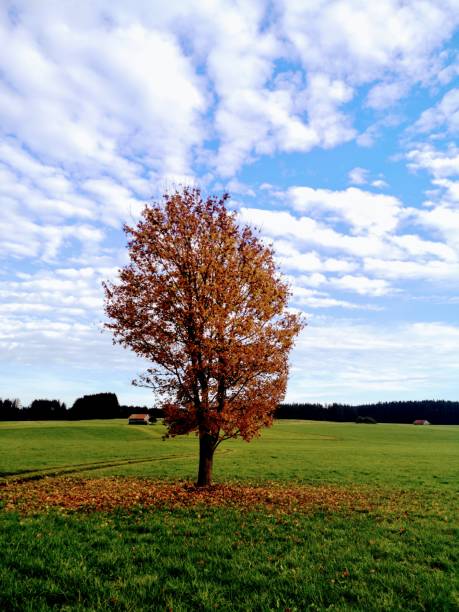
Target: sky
pixel 333 124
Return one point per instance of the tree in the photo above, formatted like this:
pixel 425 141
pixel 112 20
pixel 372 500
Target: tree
pixel 96 406
pixel 10 410
pixel 202 299
pixel 44 409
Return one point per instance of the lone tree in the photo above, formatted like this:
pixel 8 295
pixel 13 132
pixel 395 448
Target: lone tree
pixel 202 299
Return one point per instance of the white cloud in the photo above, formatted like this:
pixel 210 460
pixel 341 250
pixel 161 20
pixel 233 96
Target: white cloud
pixel 324 96
pixel 292 259
pixel 79 360
pixel 358 176
pixel 417 247
pixel 450 189
pixel 439 164
pixel 432 270
pixel 116 203
pixel 315 299
pixel 21 237
pixel 98 91
pixel 363 362
pixel 238 187
pixel 371 134
pixel 386 94
pixel 445 221
pixel 379 184
pixel 440 216
pixel 443 114
pixel 103 80
pixel 362 285
pixel 316 279
pixel 378 247
pixel 42 190
pixel 67 292
pixel 324 35
pixel 307 231
pixel 363 210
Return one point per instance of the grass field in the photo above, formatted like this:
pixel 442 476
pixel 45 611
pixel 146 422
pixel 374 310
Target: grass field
pixel 395 548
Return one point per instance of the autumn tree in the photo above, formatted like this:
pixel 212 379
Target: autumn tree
pixel 203 301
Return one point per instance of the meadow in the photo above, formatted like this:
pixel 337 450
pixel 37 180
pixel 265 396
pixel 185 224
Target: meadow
pixel 346 517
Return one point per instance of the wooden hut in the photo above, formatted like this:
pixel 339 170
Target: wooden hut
pixel 139 419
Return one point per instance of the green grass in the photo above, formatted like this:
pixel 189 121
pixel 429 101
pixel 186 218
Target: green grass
pixel 404 558
pixel 55 446
pixel 203 560
pixel 303 451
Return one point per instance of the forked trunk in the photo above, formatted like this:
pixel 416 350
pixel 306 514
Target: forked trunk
pixel 206 458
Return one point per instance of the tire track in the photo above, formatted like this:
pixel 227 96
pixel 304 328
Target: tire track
pixel 31 475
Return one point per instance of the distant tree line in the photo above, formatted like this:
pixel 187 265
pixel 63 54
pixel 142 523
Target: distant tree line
pixel 9 409
pixel 437 412
pixel 96 406
pixel 106 406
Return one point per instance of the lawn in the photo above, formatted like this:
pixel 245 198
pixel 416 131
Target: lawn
pixel 361 517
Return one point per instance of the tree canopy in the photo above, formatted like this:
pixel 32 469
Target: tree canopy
pixel 203 301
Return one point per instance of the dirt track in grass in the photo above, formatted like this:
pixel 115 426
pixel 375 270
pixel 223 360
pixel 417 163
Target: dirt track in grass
pixel 108 494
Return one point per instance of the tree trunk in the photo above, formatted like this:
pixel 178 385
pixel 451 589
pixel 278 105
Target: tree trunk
pixel 206 458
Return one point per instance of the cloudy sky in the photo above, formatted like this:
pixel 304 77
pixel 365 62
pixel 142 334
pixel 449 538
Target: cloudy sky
pixel 333 124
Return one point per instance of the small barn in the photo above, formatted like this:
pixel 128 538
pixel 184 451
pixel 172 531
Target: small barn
pixel 139 419
pixel 421 422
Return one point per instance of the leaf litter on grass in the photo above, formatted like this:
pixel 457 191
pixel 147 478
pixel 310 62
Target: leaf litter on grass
pixel 107 494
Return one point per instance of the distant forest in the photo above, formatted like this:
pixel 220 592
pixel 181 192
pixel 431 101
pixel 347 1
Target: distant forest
pixel 106 406
pixel 96 406
pixel 437 412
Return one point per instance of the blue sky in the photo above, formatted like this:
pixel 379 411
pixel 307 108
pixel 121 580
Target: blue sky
pixel 332 124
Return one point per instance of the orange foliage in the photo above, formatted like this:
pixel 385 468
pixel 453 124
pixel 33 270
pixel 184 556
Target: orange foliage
pixel 202 299
pixel 107 494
